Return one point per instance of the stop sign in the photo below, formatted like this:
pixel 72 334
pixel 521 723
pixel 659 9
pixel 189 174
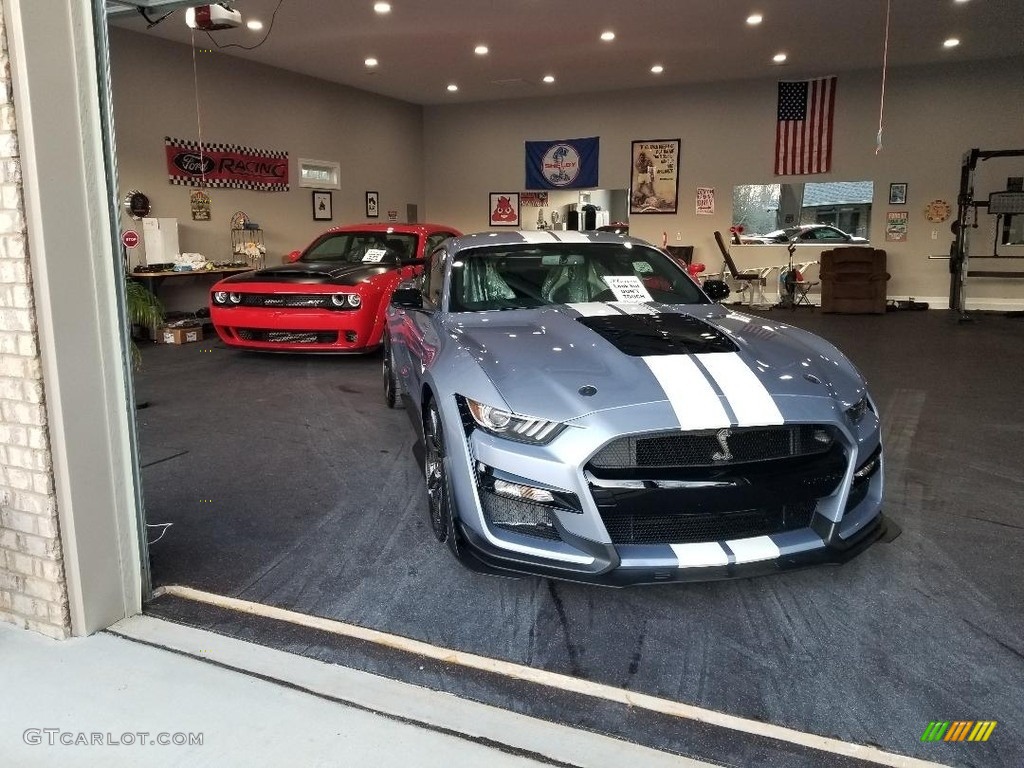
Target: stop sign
pixel 129 238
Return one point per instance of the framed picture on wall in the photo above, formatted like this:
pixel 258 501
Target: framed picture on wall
pixel 898 193
pixel 372 205
pixel 322 206
pixel 654 176
pixel 503 209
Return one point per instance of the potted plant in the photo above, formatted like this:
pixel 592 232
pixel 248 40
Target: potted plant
pixel 143 308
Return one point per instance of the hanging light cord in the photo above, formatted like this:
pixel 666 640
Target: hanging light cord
pixel 199 119
pixel 885 68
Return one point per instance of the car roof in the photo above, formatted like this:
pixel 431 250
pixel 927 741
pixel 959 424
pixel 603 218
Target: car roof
pixel 393 227
pixel 540 237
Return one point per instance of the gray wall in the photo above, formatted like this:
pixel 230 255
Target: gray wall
pixel 378 141
pixel 933 115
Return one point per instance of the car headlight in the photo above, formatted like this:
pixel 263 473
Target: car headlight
pixel 524 429
pixel 346 300
pixel 856 411
pixel 235 298
pixel 220 297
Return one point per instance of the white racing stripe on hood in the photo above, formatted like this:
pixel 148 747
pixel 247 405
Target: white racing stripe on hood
pixel 695 403
pixel 747 396
pixel 593 309
pixel 754 549
pixel 540 236
pixel 570 236
pixel 700 555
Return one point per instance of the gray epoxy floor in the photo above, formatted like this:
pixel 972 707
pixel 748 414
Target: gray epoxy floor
pixel 289 482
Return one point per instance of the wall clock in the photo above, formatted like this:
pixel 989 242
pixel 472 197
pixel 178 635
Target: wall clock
pixel 137 204
pixel 937 211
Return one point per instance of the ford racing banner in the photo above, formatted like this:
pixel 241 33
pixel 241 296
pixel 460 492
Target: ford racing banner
pixel 565 164
pixel 226 165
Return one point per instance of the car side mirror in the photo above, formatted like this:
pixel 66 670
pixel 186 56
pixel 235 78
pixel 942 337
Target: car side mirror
pixel 407 298
pixel 717 290
pixel 292 257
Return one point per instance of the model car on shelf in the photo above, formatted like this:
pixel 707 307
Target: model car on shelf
pixel 589 413
pixel 806 233
pixel 330 297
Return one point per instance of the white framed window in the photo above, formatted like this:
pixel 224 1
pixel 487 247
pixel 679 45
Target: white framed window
pixel 322 174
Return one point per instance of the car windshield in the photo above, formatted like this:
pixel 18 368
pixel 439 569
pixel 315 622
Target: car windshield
pixel 362 248
pixel 522 277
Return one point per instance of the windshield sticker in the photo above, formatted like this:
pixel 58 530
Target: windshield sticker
pixel 374 255
pixel 627 288
pixel 642 268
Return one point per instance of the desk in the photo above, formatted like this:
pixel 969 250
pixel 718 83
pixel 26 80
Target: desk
pixel 153 280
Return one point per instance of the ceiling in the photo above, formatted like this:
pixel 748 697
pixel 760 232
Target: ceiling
pixel 423 45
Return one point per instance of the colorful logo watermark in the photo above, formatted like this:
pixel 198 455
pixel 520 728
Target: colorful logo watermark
pixel 959 730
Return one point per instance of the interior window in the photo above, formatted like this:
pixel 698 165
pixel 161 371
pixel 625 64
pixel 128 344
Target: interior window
pixel 761 212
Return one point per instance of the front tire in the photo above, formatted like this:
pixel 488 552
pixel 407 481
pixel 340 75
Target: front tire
pixel 392 386
pixel 435 471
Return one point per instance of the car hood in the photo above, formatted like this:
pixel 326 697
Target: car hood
pixel 559 364
pixel 315 273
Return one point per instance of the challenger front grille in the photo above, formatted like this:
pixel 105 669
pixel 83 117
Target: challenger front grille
pixel 288 300
pixel 711 448
pixel 667 528
pixel 287 337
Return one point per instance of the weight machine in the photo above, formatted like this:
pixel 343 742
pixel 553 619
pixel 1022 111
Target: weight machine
pixel 1005 203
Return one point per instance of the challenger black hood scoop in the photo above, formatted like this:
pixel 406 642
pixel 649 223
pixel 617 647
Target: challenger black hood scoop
pixel 661 334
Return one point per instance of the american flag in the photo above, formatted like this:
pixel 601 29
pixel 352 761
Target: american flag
pixel 803 134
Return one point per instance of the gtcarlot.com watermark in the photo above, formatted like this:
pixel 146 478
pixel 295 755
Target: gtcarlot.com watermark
pixel 53 737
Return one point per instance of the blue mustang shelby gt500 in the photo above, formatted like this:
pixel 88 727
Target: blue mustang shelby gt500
pixel 588 413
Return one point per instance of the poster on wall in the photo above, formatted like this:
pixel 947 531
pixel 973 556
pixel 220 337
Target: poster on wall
pixel 503 209
pixel 705 201
pixel 225 165
pixel 654 179
pixel 896 226
pixel 199 202
pixel 562 164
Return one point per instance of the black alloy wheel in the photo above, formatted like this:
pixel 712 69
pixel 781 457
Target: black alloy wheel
pixel 391 384
pixel 436 472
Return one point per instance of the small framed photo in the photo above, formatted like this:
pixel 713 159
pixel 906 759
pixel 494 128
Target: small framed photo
pixel 898 193
pixel 322 206
pixel 503 209
pixel 372 205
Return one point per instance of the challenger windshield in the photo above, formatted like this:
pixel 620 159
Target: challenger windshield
pixel 362 248
pixel 522 277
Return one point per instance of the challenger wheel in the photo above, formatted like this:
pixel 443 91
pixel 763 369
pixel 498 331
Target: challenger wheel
pixel 438 493
pixel 391 383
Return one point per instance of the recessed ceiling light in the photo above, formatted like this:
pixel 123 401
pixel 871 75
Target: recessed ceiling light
pixel 370 62
pixel 549 78
pixel 959 1
pixel 754 19
pixel 481 50
pixel 382 7
pixel 254 24
pixel 608 36
pixel 950 43
pixel 453 87
pixel 778 58
pixel 657 69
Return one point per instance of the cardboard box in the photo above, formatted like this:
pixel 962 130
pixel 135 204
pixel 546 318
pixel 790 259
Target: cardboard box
pixel 181 335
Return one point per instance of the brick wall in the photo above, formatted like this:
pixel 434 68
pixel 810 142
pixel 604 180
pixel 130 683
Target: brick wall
pixel 33 592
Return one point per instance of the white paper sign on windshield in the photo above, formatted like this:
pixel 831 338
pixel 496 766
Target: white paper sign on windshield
pixel 627 288
pixel 374 255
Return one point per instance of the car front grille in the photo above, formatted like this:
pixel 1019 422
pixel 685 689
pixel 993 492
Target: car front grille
pixel 665 528
pixel 713 447
pixel 287 337
pixel 518 516
pixel 287 300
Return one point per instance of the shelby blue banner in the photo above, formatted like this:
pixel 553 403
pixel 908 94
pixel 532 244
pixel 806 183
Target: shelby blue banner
pixel 565 164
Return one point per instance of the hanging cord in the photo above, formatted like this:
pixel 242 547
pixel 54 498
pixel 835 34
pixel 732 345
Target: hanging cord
pixel 199 119
pixel 885 69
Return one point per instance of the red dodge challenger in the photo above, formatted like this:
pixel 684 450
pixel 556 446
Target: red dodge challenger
pixel 329 298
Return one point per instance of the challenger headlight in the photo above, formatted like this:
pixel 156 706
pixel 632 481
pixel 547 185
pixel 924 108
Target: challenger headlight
pixel 524 429
pixel 235 298
pixel 220 297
